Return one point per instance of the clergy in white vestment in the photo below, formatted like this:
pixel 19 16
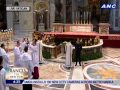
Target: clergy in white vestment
pixel 2 75
pixel 23 44
pixel 26 61
pixel 69 49
pixel 35 53
pixel 40 46
pixel 17 54
pixel 4 54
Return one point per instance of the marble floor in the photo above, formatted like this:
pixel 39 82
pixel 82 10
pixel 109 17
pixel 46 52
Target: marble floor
pixel 55 70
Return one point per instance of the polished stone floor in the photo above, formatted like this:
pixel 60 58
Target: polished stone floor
pixel 54 70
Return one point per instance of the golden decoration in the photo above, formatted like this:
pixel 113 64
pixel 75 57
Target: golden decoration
pixel 41 5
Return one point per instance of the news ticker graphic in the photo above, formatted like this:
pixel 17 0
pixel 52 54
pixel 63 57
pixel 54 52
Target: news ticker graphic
pixel 19 9
pixel 31 81
pixel 16 73
pixel 19 75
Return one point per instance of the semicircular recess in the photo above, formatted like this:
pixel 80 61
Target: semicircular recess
pixel 39 6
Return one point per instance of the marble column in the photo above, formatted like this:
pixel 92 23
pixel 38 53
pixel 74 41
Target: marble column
pixel 52 13
pixel 84 16
pixel 73 21
pixel 87 17
pixel 9 15
pixel 73 17
pixel 64 8
pixel 76 18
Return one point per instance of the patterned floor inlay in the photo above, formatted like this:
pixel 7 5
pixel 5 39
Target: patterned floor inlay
pixel 84 64
pixel 111 52
pixel 59 86
pixel 51 71
pixel 101 70
pixel 95 88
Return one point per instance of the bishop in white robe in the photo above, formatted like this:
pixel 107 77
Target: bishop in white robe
pixel 22 46
pixel 2 79
pixel 26 61
pixel 40 46
pixel 35 54
pixel 6 60
pixel 17 54
pixel 69 49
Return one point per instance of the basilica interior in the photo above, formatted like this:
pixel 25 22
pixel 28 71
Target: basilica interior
pixel 82 12
pixel 56 25
pixel 72 10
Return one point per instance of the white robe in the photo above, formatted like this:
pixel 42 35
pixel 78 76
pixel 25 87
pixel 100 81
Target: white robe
pixel 23 44
pixel 26 61
pixel 40 46
pixel 17 55
pixel 35 54
pixel 68 62
pixel 2 79
pixel 6 60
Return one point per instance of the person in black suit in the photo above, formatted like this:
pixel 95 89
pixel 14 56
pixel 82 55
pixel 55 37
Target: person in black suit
pixel 78 48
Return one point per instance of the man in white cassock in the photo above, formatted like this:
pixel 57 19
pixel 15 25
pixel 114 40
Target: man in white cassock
pixel 35 53
pixel 2 75
pixel 4 54
pixel 26 61
pixel 17 54
pixel 40 46
pixel 69 49
pixel 23 44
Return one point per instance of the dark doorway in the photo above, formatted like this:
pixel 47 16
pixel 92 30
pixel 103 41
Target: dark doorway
pixel 3 22
pixel 58 9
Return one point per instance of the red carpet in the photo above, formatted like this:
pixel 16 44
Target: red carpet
pixel 110 40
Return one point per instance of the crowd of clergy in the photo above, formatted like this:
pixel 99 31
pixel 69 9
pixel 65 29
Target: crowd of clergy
pixel 29 55
pixel 26 54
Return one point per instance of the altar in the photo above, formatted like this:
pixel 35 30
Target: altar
pixel 59 27
pixel 81 27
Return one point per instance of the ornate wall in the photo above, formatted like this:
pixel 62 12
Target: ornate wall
pixel 21 22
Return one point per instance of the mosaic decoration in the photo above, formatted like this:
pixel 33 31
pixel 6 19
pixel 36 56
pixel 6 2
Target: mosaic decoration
pixel 103 71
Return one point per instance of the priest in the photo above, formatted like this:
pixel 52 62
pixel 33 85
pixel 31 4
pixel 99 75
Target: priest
pixel 40 46
pixel 4 54
pixel 2 75
pixel 41 55
pixel 26 61
pixel 23 44
pixel 35 53
pixel 69 49
pixel 17 54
